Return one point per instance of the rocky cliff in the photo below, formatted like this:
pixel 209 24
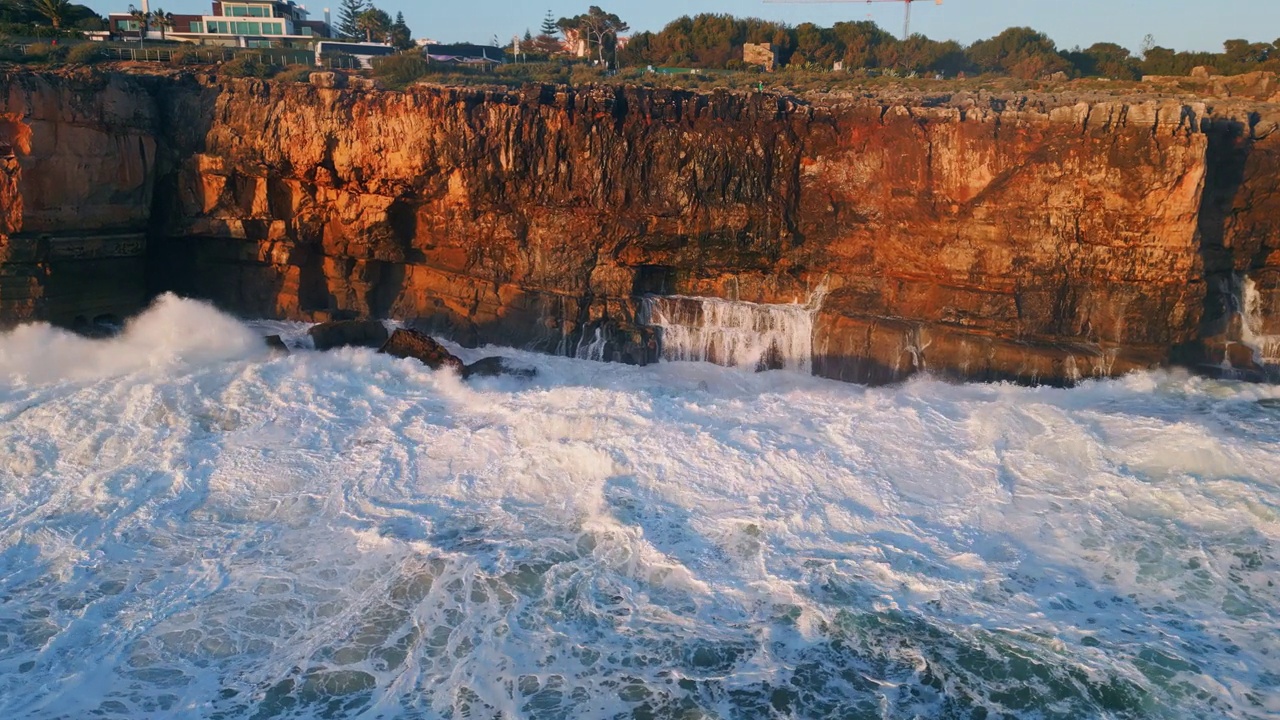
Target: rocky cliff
pixel 1031 239
pixel 77 174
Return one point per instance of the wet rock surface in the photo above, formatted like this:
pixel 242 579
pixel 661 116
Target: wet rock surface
pixel 405 343
pixel 349 333
pixel 1027 237
pixel 498 367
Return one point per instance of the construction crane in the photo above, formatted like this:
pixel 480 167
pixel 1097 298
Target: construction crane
pixel 906 8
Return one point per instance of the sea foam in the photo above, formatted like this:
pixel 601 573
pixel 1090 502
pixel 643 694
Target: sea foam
pixel 192 528
pixel 174 331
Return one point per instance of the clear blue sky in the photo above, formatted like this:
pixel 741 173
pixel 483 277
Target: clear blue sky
pixel 1180 24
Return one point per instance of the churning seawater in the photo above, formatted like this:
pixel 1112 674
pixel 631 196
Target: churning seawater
pixel 193 528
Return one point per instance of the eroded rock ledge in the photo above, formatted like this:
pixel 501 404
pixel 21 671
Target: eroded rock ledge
pixel 1034 238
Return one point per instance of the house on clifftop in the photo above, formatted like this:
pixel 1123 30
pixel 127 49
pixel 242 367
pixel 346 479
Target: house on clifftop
pixel 244 23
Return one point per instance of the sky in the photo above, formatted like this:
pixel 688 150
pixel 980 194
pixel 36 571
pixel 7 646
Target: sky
pixel 1179 24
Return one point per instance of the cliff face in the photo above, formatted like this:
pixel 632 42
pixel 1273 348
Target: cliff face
pixel 77 167
pixel 981 240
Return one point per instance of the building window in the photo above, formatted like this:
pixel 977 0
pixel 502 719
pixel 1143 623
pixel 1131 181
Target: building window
pixel 127 25
pixel 197 26
pixel 229 10
pixel 271 29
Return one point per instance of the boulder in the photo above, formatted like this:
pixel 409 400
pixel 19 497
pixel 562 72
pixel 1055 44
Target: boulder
pixel 1241 356
pixel 405 343
pixel 367 84
pixel 102 327
pixel 341 333
pixel 496 366
pixel 328 80
pixel 1202 72
pixel 276 344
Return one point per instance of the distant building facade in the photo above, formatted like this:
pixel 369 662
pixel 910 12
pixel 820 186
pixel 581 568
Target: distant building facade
pixel 242 23
pixel 465 54
pixel 363 52
pixel 760 54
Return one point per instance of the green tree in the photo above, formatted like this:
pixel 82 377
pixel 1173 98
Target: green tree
pixel 162 20
pixel 705 40
pixel 597 27
pixel 919 54
pixel 1164 61
pixel 816 47
pixel 545 44
pixel 55 11
pixel 401 35
pixel 864 43
pixel 1019 51
pixel 348 12
pixel 91 23
pixel 142 18
pixel 374 23
pixel 1243 56
pixel 549 26
pixel 1106 60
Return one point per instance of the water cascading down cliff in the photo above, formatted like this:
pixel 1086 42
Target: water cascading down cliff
pixel 971 236
pixel 737 334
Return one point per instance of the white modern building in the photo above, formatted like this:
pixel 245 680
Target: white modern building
pixel 242 23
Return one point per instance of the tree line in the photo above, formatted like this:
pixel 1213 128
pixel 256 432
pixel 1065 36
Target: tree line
pixel 361 20
pixel 715 41
pixel 59 15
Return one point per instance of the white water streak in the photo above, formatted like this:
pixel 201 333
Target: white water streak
pixel 737 334
pixel 1266 347
pixel 593 350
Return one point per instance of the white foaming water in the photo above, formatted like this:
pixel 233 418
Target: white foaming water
pixel 593 350
pixel 1266 347
pixel 732 333
pixel 349 535
pixel 175 332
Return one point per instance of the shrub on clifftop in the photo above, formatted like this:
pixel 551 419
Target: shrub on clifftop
pixel 45 53
pixel 85 53
pixel 400 71
pixel 296 74
pixel 248 65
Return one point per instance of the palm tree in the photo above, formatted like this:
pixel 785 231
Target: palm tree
pixel 162 20
pixel 53 10
pixel 143 19
pixel 373 21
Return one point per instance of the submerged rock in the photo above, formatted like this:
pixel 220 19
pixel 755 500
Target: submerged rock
pixel 101 327
pixel 497 366
pixel 413 344
pixel 342 333
pixel 276 344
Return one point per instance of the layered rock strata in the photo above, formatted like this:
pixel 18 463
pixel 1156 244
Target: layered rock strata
pixel 975 237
